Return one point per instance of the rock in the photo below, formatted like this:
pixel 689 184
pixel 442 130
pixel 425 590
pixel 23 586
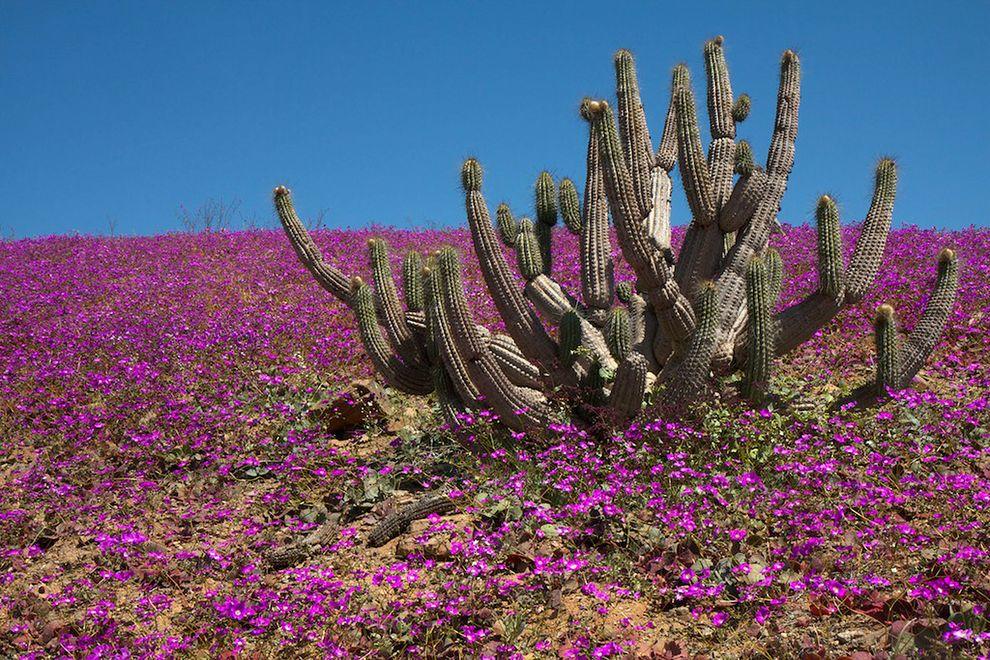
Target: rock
pixel 356 406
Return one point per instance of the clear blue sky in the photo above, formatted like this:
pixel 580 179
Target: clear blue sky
pixel 126 110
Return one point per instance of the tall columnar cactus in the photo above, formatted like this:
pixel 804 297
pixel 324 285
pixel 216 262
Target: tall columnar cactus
pixel 685 322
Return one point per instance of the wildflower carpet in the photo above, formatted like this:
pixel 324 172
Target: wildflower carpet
pixel 161 433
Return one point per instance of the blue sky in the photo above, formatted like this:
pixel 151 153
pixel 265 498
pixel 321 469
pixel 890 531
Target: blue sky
pixel 123 111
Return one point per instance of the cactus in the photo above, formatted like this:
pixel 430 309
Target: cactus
pixel 760 298
pixel 624 291
pixel 569 337
pixel 570 206
pixel 529 250
pixel 888 348
pixel 685 322
pixel 398 521
pixel 617 334
pixel 508 228
pixel 412 281
pixel 546 218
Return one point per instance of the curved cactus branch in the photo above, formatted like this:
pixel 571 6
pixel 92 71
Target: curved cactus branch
pixel 401 376
pixel 392 314
pixel 326 275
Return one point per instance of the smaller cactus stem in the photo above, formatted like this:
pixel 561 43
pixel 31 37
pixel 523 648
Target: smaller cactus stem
pixel 570 206
pixel 521 321
pixel 888 350
pixel 412 281
pixel 830 268
pixel 546 218
pixel 626 397
pixel 618 335
pixel 780 158
pixel 741 108
pixel 508 228
pixel 744 164
pixel 776 266
pixel 528 251
pixel 759 308
pixel 690 156
pixel 392 315
pixel 569 337
pixel 636 145
pixel 326 275
pixel 930 326
pixel 409 379
pixel 872 239
pixel 595 244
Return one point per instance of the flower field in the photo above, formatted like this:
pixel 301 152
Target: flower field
pixel 164 426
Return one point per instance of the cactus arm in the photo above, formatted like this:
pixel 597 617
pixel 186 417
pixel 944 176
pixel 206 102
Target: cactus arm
pixel 658 222
pixel 759 307
pixel 392 316
pixel 570 206
pixel 529 252
pixel 326 275
pixel 517 407
pixel 702 245
pixel 888 346
pixel 799 322
pixel 780 158
pixel 636 247
pixel 553 301
pixel 636 145
pixel 403 377
pixel 626 397
pixel 831 275
pixel 873 239
pixel 597 278
pixel 412 281
pixel 743 201
pixel 688 377
pixel 546 218
pixel 517 368
pixel 521 322
pixel 722 150
pixel 618 335
pixel 443 339
pixel 690 156
pixel 776 267
pixel 753 238
pixel 930 326
pixel 569 337
pixel 655 276
pixel 508 228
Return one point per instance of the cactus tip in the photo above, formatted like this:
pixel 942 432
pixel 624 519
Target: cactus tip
pixel 280 191
pixel 788 57
pixel 471 175
pixel 885 312
pixel 623 56
pixel 356 283
pixel 946 255
pixel 591 108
